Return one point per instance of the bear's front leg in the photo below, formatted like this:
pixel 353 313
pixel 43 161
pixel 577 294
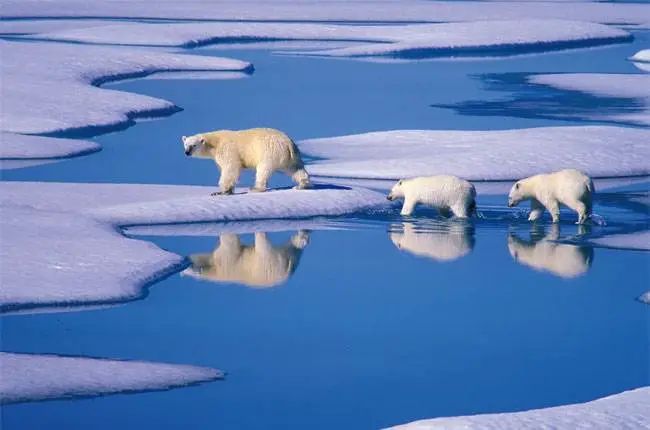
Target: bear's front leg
pixel 536 210
pixel 228 180
pixel 553 207
pixel 262 175
pixel 408 207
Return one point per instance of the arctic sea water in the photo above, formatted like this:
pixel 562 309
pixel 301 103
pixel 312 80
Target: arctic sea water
pixel 381 320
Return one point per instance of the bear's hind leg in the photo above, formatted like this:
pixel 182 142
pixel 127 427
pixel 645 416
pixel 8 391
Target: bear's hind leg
pixel 262 175
pixel 582 210
pixel 301 178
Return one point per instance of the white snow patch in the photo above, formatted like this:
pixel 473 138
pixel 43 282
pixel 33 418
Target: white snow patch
pixel 627 410
pixel 35 377
pixel 632 86
pixel 389 40
pixel 22 27
pixel 61 245
pixel 482 155
pixel 637 241
pixel 50 88
pixel 362 11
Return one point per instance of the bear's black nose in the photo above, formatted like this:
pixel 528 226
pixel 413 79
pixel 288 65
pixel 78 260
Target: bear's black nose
pixel 187 152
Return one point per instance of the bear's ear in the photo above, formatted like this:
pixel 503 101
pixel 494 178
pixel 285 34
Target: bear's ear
pixel 183 138
pixel 399 182
pixel 517 186
pixel 202 140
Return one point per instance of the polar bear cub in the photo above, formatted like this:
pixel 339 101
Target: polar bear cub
pixel 448 194
pixel 569 187
pixel 264 149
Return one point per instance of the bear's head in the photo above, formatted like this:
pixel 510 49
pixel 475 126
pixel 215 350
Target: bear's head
pixel 397 192
pixel 516 194
pixel 195 146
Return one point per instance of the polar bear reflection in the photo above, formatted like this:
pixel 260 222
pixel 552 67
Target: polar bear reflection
pixel 440 242
pixel 260 265
pixel 545 254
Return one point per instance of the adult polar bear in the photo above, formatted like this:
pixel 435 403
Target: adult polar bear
pixel 264 149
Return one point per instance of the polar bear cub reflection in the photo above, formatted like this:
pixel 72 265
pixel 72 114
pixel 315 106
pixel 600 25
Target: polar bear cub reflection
pixel 544 254
pixel 446 242
pixel 259 265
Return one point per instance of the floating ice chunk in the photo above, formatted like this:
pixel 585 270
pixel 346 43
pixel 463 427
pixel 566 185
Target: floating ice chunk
pixel 627 410
pixel 639 240
pixel 50 88
pixel 446 39
pixel 61 245
pixel 20 147
pixel 616 85
pixel 34 377
pixel 366 11
pixel 482 155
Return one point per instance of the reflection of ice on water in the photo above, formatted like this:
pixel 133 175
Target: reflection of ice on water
pixel 437 240
pixel 261 264
pixel 596 219
pixel 543 252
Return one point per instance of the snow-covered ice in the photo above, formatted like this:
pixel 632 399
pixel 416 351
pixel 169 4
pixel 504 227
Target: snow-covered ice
pixel 62 245
pixel 20 146
pixel 489 37
pixel 627 410
pixel 600 151
pixel 59 81
pixel 35 377
pixel 615 85
pixel 312 11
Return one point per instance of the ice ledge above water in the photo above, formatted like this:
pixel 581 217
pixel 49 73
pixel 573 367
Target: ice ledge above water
pixel 482 155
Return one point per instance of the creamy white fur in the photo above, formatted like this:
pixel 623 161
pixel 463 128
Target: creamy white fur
pixel 569 187
pixel 444 243
pixel 546 254
pixel 264 149
pixel 448 194
pixel 260 265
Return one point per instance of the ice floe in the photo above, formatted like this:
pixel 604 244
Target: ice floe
pixel 417 40
pixel 36 377
pixel 612 85
pixel 627 410
pixel 62 246
pixel 52 88
pixel 644 298
pixel 20 146
pixel 308 11
pixel 482 155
